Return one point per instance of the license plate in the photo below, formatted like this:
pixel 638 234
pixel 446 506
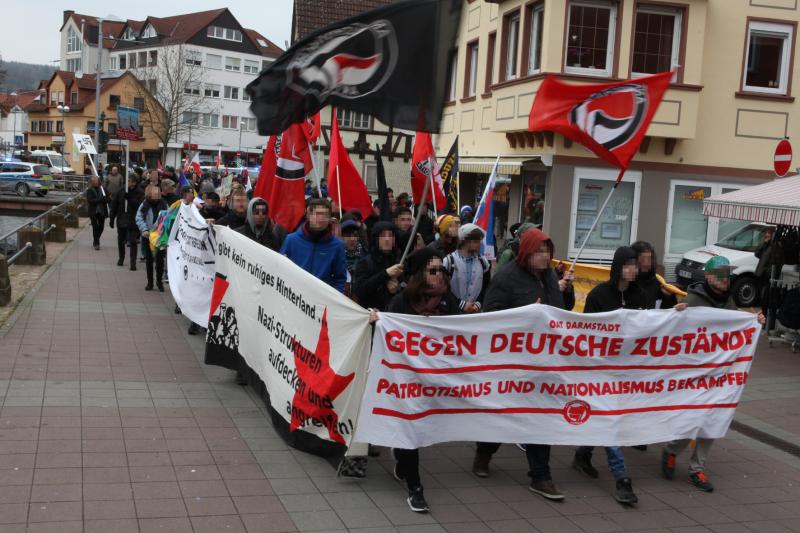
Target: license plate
pixel 685 274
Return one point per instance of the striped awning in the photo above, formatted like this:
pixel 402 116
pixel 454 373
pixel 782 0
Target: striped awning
pixel 775 202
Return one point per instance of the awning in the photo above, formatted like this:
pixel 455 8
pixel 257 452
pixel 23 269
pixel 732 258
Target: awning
pixel 775 202
pixel 513 168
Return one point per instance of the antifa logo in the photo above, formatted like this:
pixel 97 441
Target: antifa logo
pixel 612 117
pixel 577 412
pixel 349 62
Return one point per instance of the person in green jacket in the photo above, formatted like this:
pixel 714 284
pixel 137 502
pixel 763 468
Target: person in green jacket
pixel 509 253
pixel 714 292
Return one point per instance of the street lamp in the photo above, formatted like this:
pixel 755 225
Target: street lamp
pixel 64 109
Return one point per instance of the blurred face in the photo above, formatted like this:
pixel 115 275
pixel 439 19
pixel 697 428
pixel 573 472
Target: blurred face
pixel 154 194
pixel 768 234
pixel 319 218
pixel 473 246
pixel 94 181
pixel 240 204
pixel 434 272
pixel 114 170
pixel 386 241
pixel 719 279
pixel 187 197
pixel 452 229
pixel 212 203
pixel 131 182
pixel 350 240
pixel 645 262
pixel 629 271
pixel 540 259
pixel 260 214
pixel 154 177
pixel 404 221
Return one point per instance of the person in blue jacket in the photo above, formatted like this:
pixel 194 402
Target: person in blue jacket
pixel 315 249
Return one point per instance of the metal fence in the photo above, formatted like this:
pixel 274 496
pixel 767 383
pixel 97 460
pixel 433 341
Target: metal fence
pixel 70 182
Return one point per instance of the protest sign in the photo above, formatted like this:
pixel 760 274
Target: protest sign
pixel 541 375
pixel 190 261
pixel 307 342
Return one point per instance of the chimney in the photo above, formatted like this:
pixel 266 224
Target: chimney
pixel 67 14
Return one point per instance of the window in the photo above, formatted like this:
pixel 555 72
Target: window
pixel 192 89
pixel 228 34
pixel 61 97
pixel 152 85
pixel 53 98
pixel 211 91
pixel 73 98
pixel 152 60
pixel 487 86
pixel 535 25
pixel 59 126
pixel 74 43
pixel 452 68
pixel 510 45
pixel 90 126
pixel 112 129
pixel 193 57
pixel 113 100
pixel 123 64
pixel 231 93
pixel 49 126
pixel 371 176
pixel 250 67
pixel 191 117
pixel 214 61
pixel 351 119
pixel 142 59
pixel 656 40
pixel 233 64
pixel 132 60
pixel 248 124
pixel 112 63
pixel 34 126
pixel 129 35
pixel 590 38
pixel 245 96
pixel 149 32
pixel 74 65
pixel 471 70
pixel 209 120
pixel 230 122
pixel 138 103
pixel 262 43
pixel 769 56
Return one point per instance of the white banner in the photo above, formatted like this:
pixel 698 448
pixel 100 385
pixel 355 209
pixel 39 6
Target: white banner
pixel 541 375
pixel 190 262
pixel 307 342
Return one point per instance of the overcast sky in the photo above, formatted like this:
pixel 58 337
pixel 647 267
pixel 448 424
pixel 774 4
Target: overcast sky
pixel 30 27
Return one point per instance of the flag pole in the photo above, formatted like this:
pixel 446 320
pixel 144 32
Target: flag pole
pixel 316 172
pixel 596 220
pixel 339 191
pixel 458 192
pixel 433 190
pixel 413 236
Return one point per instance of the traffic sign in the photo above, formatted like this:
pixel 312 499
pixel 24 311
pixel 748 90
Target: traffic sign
pixel 783 158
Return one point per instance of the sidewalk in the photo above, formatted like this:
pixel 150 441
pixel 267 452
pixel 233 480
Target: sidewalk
pixel 110 422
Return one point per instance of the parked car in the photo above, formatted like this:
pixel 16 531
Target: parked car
pixel 24 178
pixel 739 248
pixel 55 161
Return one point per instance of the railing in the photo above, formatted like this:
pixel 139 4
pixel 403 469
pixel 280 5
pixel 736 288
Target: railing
pixel 70 182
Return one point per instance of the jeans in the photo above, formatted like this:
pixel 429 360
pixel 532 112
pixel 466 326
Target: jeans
pixel 127 237
pixel 616 460
pixel 408 466
pixel 98 223
pixel 702 448
pixel 538 456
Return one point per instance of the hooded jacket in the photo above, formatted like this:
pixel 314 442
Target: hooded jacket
pixel 608 297
pixel 322 257
pixel 270 236
pixel 509 253
pixel 124 207
pixel 515 286
pixel 370 277
pixel 651 286
pixel 232 220
pixel 700 294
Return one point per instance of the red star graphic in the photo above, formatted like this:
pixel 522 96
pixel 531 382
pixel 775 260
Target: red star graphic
pixel 317 385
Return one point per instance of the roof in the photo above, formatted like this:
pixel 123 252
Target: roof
pixel 271 50
pixel 774 202
pixel 86 85
pixel 23 99
pixel 310 15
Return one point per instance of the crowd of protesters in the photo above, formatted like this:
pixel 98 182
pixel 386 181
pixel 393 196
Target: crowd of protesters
pixel 445 274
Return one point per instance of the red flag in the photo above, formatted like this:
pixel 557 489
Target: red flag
pixel 287 201
pixel 267 171
pixel 343 177
pixel 610 119
pixel 423 158
pixel 313 127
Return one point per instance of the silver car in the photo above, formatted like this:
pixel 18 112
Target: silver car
pixel 24 178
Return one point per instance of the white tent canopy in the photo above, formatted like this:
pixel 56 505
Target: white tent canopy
pixel 775 202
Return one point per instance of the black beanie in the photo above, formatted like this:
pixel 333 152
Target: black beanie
pixel 419 259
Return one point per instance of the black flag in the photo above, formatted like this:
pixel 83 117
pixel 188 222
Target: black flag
pixel 383 190
pixel 449 173
pixel 390 62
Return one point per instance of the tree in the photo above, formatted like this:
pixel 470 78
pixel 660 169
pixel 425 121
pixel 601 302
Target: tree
pixel 175 82
pixel 2 72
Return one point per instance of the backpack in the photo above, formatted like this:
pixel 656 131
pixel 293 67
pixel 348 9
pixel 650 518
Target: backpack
pixel 789 310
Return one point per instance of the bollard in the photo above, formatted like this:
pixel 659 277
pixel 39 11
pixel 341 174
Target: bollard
pixel 36 254
pixel 72 218
pixel 83 207
pixel 5 282
pixel 59 233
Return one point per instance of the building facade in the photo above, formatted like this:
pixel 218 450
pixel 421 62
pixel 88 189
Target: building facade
pixel 730 102
pixel 14 117
pixel 52 129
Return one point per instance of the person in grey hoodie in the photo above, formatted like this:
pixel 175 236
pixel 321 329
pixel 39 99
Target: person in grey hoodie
pixel 259 228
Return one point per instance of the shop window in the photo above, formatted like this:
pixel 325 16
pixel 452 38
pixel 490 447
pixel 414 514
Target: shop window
pixel 688 227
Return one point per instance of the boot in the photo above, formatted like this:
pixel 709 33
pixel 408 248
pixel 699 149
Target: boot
pixel 480 465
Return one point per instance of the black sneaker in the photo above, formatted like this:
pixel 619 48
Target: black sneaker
pixel 373 451
pixel 582 462
pixel 480 465
pixel 668 464
pixel 120 262
pixel 700 480
pixel 133 267
pixel 640 447
pixel 241 379
pixel 148 287
pixel 624 493
pixel 177 309
pixel 160 287
pixel 547 489
pixel 416 501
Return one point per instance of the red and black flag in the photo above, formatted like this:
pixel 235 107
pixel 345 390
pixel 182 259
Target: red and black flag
pixel 610 119
pixel 390 62
pixel 287 199
pixel 449 173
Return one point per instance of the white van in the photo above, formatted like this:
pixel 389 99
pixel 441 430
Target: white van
pixel 58 164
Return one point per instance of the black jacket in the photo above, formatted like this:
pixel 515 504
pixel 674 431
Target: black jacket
pixel 170 198
pixel 513 286
pixel 232 220
pixel 701 295
pixel 608 297
pixel 124 207
pixel 370 277
pixel 652 291
pixel 272 238
pixel 98 203
pixel 400 304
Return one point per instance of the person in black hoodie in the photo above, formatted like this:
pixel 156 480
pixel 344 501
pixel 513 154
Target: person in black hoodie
pixel 211 210
pixel 259 228
pixel 427 294
pixel 620 292
pixel 98 209
pixel 527 280
pixel 237 215
pixel 657 296
pixel 123 211
pixel 376 278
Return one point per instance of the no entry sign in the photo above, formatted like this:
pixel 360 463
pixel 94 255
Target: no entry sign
pixel 783 158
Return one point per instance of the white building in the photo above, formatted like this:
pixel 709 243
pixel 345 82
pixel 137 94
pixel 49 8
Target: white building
pixel 14 117
pixel 228 56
